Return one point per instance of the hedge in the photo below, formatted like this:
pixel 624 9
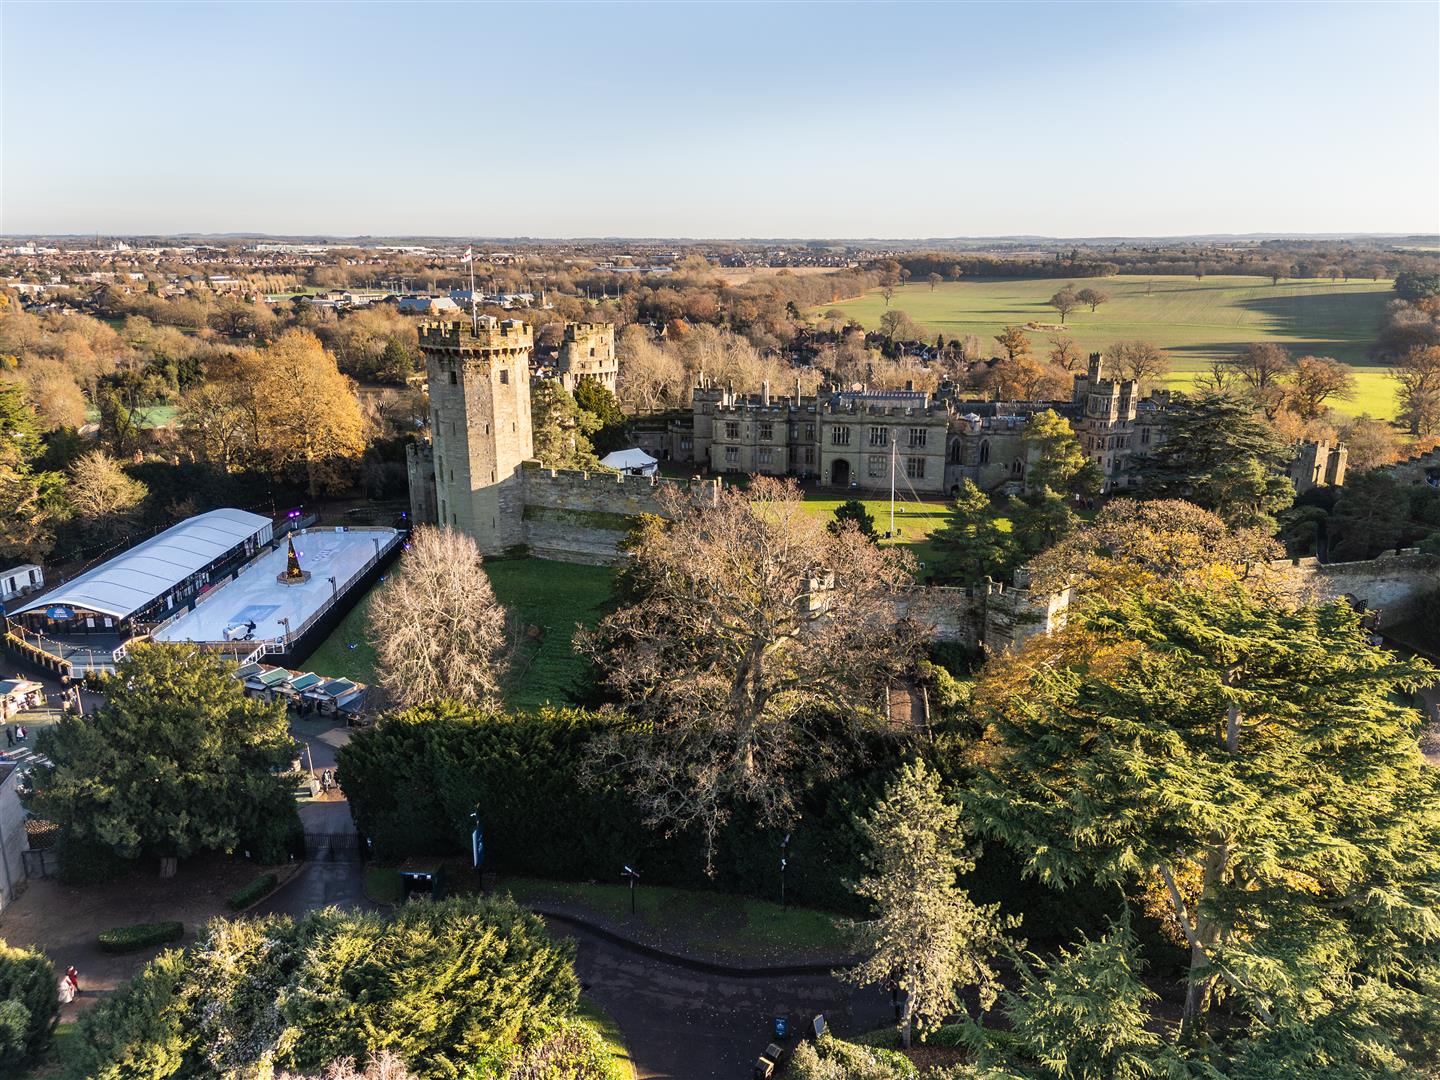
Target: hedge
pixel 243 897
pixel 29 1003
pixel 123 939
pixel 414 778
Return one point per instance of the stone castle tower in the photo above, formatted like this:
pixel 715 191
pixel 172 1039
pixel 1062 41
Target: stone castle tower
pixel 588 352
pixel 480 425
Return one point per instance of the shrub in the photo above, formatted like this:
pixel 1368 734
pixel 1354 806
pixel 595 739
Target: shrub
pixel 83 862
pixel 123 939
pixel 440 985
pixel 29 1003
pixel 245 896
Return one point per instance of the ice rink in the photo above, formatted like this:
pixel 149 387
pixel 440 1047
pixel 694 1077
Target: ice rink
pixel 255 596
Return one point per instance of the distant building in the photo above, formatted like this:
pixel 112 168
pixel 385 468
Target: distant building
pixel 20 581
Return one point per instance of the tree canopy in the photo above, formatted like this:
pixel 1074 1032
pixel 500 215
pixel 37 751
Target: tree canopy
pixel 176 761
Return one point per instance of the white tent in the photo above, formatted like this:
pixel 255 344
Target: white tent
pixel 634 461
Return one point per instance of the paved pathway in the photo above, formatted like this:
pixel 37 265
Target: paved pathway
pixel 690 1026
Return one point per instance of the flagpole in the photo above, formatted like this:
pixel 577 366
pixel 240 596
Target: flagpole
pixel 474 312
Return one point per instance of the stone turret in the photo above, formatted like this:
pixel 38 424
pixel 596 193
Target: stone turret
pixel 479 379
pixel 588 352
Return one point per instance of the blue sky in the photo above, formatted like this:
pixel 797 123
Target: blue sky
pixel 721 120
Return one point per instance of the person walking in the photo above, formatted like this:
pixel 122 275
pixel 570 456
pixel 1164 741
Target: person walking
pixel 73 978
pixel 9 735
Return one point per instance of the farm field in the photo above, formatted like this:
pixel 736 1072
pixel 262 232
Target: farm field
pixel 1196 321
pixel 550 595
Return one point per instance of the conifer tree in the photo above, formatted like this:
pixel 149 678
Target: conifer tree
pixel 1217 453
pixel 1253 761
pixel 927 936
pixel 971 545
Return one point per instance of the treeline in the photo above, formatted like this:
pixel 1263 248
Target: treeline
pixel 1273 260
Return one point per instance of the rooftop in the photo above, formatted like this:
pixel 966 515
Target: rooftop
pixel 123 585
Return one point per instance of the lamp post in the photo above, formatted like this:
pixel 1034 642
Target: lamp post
pixel 784 863
pixel 634 876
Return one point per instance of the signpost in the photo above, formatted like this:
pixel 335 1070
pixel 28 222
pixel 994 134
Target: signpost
pixel 634 876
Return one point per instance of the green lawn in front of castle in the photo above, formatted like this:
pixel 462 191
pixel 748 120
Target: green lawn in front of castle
pixel 915 520
pixel 1196 321
pixel 550 596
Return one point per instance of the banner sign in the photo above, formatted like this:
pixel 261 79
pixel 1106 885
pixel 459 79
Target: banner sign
pixel 60 612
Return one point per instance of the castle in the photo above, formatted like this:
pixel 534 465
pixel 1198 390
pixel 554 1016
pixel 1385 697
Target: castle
pixel 478 472
pixel 860 439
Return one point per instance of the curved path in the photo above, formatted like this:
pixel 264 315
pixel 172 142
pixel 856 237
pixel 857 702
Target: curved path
pixel 689 1025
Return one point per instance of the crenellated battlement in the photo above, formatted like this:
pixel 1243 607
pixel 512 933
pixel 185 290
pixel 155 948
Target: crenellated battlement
pixel 489 336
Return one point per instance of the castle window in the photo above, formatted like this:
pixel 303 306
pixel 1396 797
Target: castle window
pixel 1018 468
pixel 985 452
pixel 454 379
pixel 765 455
pixel 686 442
pixel 809 431
pixel 592 352
pixel 808 455
pixel 732 455
pixel 1144 435
pixel 840 435
pixel 955 451
pixel 505 375
pixel 879 436
pixel 732 429
pixel 767 431
pixel 875 465
pixel 915 468
pixel 917 436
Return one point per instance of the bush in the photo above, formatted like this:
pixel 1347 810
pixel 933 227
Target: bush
pixel 440 985
pixel 243 897
pixel 83 862
pixel 123 939
pixel 29 1003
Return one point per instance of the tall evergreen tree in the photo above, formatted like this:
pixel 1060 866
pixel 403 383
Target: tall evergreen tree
pixel 971 545
pixel 1217 453
pixel 928 937
pixel 561 428
pixel 1255 763
pixel 178 760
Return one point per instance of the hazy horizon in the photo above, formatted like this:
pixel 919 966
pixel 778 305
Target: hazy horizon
pixel 740 122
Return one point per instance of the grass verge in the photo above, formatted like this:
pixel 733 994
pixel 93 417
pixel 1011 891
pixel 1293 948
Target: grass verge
pixel 737 928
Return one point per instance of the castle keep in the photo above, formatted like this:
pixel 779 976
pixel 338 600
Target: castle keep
pixel 478 474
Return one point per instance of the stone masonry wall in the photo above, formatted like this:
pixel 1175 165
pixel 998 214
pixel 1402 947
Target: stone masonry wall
pixel 1396 584
pixel 577 516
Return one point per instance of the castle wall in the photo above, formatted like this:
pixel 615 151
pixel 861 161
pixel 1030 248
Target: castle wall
pixel 1397 585
pixel 420 469
pixel 588 352
pixel 575 516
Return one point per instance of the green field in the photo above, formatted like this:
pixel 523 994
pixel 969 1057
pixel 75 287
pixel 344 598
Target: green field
pixel 549 596
pixel 1196 321
pixel 914 521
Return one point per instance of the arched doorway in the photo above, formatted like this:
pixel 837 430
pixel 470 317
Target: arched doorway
pixel 840 474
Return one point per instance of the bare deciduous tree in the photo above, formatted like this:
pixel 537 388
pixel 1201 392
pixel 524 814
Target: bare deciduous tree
pixel 753 621
pixel 1064 354
pixel 1139 360
pixel 437 628
pixel 1314 380
pixel 1065 301
pixel 1093 297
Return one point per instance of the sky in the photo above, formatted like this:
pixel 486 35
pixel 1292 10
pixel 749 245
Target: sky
pixel 720 120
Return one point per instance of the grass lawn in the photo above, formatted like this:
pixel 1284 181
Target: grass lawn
pixel 914 521
pixel 704 922
pixel 147 416
pixel 1196 321
pixel 552 596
